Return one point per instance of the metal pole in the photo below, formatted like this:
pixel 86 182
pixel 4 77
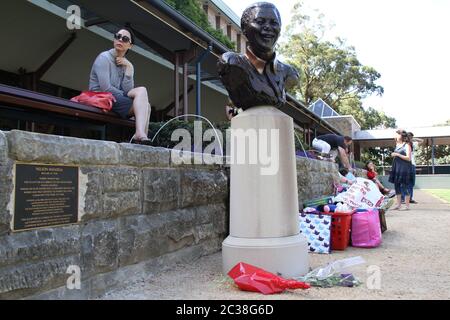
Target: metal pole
pixel 198 91
pixel 432 155
pixel 185 90
pixel 199 80
pixel 309 135
pixel 177 83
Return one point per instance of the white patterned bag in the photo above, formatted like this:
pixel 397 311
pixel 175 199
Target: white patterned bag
pixel 317 230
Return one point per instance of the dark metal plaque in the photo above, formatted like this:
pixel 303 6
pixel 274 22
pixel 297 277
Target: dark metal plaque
pixel 45 196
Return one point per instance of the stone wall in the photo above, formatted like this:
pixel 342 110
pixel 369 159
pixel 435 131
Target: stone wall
pixel 138 212
pixel 315 178
pixel 135 206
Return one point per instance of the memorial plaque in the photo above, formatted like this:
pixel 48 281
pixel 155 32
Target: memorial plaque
pixel 45 196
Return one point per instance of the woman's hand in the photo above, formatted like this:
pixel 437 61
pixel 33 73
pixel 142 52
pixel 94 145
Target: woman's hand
pixel 122 61
pixel 394 154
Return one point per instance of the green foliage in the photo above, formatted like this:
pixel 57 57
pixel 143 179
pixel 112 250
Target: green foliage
pixel 331 70
pixel 192 10
pixel 299 140
pixel 374 119
pixel 164 137
pixel 379 156
pixel 441 154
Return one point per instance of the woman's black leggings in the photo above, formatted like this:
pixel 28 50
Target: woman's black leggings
pixel 401 188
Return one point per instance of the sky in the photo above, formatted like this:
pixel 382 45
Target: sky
pixel 407 42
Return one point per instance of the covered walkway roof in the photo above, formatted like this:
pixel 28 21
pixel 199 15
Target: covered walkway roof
pixel 385 137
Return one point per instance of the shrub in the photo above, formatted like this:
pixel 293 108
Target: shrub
pixel 193 11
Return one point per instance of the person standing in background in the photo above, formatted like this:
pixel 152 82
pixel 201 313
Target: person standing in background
pixel 400 174
pixel 414 142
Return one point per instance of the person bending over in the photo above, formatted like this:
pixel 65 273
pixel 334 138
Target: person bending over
pixel 332 143
pixel 112 72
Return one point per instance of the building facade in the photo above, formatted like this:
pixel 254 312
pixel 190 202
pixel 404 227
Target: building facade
pixel 221 17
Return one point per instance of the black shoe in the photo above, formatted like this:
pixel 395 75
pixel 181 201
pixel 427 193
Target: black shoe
pixel 413 201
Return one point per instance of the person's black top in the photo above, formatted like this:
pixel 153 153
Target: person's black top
pixel 333 140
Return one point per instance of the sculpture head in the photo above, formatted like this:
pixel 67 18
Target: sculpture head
pixel 261 24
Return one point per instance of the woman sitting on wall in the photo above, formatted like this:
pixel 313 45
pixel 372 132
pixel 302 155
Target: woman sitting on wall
pixel 112 72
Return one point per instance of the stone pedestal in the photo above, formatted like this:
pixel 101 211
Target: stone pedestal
pixel 264 208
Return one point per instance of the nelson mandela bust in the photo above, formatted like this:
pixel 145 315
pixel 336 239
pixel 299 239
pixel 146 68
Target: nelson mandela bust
pixel 257 78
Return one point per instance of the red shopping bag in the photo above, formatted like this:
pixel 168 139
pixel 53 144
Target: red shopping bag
pixel 102 100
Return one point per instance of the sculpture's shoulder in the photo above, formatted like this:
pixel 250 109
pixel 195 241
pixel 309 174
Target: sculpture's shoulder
pixel 291 74
pixel 232 58
pixel 232 63
pixel 287 69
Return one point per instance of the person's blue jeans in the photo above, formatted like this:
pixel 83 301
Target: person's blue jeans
pixel 411 184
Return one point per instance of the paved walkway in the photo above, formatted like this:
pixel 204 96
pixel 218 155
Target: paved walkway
pixel 414 261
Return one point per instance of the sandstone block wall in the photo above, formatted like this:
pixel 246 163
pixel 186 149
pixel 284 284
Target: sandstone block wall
pixel 138 212
pixel 135 206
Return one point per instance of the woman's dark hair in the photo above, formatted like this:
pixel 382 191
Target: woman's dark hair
pixel 404 135
pixel 408 140
pixel 410 137
pixel 132 37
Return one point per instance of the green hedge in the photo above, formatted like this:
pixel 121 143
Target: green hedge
pixel 192 10
pixel 163 139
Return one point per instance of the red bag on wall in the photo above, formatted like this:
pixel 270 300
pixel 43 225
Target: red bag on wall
pixel 102 100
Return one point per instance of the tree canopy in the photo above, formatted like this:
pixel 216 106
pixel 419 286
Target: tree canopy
pixel 331 70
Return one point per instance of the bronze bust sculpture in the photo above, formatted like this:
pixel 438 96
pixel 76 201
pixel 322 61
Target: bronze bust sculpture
pixel 257 78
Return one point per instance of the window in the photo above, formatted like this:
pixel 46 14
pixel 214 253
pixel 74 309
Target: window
pixel 217 22
pixel 238 43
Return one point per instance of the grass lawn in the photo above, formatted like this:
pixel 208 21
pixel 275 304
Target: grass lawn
pixel 444 194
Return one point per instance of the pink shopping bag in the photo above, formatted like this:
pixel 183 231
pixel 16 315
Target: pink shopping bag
pixel 366 231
